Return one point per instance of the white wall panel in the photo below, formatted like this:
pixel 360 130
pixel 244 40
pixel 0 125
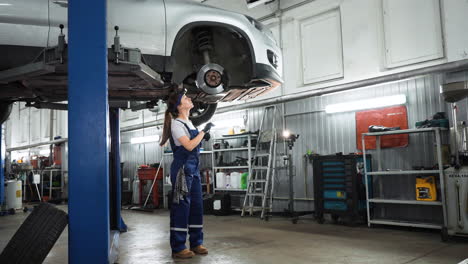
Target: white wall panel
pixel 455 23
pixel 24 125
pixel 130 118
pixel 13 126
pixel 29 125
pixel 413 31
pixel 45 124
pixel 35 124
pixel 321 47
pixel 61 124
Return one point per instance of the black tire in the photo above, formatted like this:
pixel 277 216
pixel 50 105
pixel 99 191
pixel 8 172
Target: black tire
pixel 202 113
pixel 5 110
pixel 36 236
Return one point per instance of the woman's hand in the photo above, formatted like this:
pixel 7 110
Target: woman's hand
pixel 208 127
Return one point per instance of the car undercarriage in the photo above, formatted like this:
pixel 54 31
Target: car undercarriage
pixel 132 76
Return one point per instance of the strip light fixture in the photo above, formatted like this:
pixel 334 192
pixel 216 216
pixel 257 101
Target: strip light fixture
pixel 378 102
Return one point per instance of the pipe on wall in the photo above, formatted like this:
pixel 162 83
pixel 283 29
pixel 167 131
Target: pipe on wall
pixel 58 141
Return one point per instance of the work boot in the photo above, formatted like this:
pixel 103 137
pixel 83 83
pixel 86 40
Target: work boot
pixel 201 250
pixel 184 254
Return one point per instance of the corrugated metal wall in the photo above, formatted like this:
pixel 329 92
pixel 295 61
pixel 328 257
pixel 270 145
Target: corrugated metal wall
pixel 331 133
pixel 136 154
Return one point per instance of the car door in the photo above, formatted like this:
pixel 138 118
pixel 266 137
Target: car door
pixel 141 23
pixel 23 23
pixel 23 31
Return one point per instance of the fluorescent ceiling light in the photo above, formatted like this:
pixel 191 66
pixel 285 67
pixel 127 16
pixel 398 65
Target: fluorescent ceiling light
pixel 367 104
pixel 147 139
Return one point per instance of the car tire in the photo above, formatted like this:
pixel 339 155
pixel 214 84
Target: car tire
pixel 36 236
pixel 202 113
pixel 5 110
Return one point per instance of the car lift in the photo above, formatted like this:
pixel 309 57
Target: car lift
pixel 91 215
pixel 2 169
pixel 125 65
pixel 95 220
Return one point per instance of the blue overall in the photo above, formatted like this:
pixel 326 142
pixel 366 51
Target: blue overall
pixel 187 215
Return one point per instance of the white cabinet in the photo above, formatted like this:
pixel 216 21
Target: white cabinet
pixel 412 31
pixel 321 46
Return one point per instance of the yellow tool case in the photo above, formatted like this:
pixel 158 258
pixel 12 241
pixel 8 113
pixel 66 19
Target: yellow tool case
pixel 426 189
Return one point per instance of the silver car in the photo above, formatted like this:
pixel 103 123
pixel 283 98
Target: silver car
pixel 218 55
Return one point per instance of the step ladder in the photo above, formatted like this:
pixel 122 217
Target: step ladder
pixel 260 186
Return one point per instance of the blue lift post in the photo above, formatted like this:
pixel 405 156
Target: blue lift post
pixel 88 203
pixel 2 168
pixel 116 182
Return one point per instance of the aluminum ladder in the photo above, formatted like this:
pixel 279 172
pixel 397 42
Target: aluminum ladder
pixel 260 186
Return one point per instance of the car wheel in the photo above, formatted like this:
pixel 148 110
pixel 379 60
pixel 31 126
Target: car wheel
pixel 212 79
pixel 5 110
pixel 202 113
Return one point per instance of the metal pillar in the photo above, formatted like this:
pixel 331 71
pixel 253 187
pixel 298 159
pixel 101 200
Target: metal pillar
pixel 88 203
pixel 2 168
pixel 117 222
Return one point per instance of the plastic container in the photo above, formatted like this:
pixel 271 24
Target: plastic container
pixel 220 180
pixel 13 195
pixel 243 180
pixel 235 180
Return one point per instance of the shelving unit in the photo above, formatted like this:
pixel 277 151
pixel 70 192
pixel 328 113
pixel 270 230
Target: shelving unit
pixel 249 148
pixel 380 172
pixel 231 167
pixel 49 178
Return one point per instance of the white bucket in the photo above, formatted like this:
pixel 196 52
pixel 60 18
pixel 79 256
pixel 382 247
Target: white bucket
pixel 220 180
pixel 13 195
pixel 235 180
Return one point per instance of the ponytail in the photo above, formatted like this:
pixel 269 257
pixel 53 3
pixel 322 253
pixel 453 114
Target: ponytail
pixel 167 128
pixel 171 113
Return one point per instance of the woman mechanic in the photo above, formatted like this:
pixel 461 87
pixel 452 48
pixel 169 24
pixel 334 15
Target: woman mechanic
pixel 187 203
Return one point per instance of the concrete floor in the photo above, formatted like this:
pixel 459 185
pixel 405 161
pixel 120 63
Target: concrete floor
pixel 233 239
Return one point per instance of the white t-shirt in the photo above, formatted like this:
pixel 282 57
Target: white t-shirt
pixel 178 130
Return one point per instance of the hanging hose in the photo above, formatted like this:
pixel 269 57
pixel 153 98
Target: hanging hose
pixel 154 181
